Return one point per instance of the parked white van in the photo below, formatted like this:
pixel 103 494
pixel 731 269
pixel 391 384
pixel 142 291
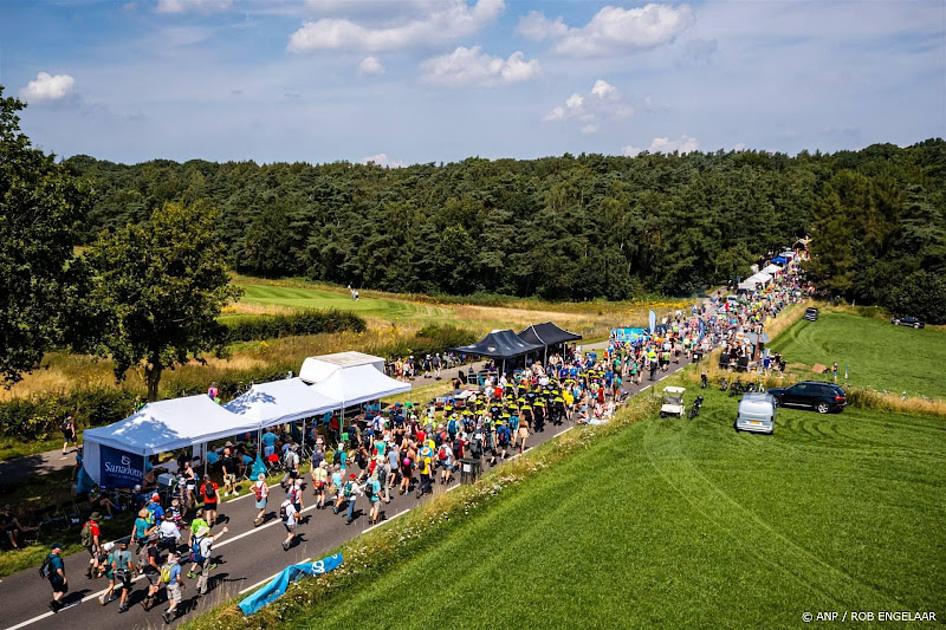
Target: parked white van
pixel 756 413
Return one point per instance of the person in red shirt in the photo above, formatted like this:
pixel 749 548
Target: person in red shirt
pixel 90 540
pixel 209 490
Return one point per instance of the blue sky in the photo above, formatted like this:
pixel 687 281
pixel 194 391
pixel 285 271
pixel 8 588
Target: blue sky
pixel 439 80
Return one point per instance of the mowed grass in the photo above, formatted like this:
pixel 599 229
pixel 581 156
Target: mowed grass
pixel 877 354
pixel 676 523
pixel 312 296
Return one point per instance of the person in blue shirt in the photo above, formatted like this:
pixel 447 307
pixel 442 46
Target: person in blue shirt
pixel 57 577
pixel 173 588
pixel 154 507
pixel 269 440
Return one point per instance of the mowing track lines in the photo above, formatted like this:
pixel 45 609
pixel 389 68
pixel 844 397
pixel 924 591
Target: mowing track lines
pixel 709 504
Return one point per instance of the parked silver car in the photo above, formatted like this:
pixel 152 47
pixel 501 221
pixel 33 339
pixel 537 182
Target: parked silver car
pixel 756 413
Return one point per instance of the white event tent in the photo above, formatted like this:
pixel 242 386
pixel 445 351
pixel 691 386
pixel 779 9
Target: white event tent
pixel 758 278
pixel 157 427
pixel 772 270
pixel 359 384
pixel 279 402
pixel 316 369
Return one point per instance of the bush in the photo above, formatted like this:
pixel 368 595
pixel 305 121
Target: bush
pixel 305 323
pixel 432 338
pixel 40 416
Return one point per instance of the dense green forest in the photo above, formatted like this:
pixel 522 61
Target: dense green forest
pixel 562 227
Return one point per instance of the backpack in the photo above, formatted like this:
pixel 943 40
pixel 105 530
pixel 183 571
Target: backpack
pixel 442 453
pixel 349 489
pixel 369 490
pixel 452 426
pixel 86 534
pixel 166 574
pixel 337 457
pixel 258 491
pixel 209 491
pixel 195 550
pixel 283 515
pixel 46 569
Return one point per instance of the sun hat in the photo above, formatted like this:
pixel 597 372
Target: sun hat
pixel 95 516
pixel 55 546
pixel 261 476
pixel 155 497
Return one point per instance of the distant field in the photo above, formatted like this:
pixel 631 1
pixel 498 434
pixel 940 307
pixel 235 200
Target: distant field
pixel 877 354
pixel 320 297
pixel 674 523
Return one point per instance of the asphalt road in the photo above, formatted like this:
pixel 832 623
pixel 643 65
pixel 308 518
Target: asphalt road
pixel 248 557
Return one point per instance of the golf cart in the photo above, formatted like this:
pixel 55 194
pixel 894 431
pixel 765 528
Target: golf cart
pixel 673 402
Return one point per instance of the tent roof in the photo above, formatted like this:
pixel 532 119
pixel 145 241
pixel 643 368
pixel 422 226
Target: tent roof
pixel 772 269
pixel 287 400
pixel 500 344
pixel 166 425
pixel 359 384
pixel 315 369
pixel 547 334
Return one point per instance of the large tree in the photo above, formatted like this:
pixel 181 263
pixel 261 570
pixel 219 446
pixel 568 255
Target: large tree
pixel 41 210
pixel 163 283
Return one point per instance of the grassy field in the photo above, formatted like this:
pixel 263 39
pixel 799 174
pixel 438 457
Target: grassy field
pixel 877 354
pixel 679 524
pixel 392 320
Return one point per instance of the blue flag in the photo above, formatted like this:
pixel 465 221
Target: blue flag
pixel 276 588
pixel 652 321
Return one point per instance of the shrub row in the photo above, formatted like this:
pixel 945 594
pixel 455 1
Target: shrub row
pixel 304 323
pixel 430 339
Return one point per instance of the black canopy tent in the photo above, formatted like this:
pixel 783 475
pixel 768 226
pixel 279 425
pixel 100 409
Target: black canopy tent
pixel 547 334
pixel 502 345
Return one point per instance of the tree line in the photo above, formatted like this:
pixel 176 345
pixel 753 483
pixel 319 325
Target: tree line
pixel 161 237
pixel 570 227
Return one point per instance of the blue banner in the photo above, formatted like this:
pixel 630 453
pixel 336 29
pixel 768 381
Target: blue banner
pixel 624 335
pixel 120 469
pixel 652 321
pixel 275 588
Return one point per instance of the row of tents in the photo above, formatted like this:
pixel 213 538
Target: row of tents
pixel 114 455
pixel 765 276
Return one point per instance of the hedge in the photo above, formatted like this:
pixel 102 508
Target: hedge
pixel 304 323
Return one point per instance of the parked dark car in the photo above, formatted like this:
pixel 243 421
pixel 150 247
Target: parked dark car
pixel 822 397
pixel 907 320
pixel 811 314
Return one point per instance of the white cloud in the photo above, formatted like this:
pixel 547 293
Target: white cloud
pixel 603 101
pixel 183 6
pixel 370 66
pixel 472 66
pixel 612 30
pixel 603 89
pixel 537 27
pixel 47 87
pixel 382 159
pixel 683 144
pixel 444 22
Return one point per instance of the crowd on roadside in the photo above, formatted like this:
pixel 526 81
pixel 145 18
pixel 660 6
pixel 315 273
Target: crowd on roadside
pixel 356 468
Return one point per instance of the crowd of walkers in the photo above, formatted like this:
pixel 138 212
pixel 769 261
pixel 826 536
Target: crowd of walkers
pixel 358 468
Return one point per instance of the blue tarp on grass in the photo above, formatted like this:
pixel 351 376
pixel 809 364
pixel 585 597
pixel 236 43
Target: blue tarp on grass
pixel 275 588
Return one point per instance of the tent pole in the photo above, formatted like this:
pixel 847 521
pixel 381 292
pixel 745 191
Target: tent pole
pixel 206 450
pixel 303 434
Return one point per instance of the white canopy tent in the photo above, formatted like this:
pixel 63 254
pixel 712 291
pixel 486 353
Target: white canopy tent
pixel 279 402
pixel 316 369
pixel 750 283
pixel 359 384
pixel 158 427
pixel 772 270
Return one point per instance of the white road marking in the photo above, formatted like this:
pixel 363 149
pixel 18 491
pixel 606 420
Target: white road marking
pixel 401 513
pixel 643 389
pixel 243 496
pixel 563 431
